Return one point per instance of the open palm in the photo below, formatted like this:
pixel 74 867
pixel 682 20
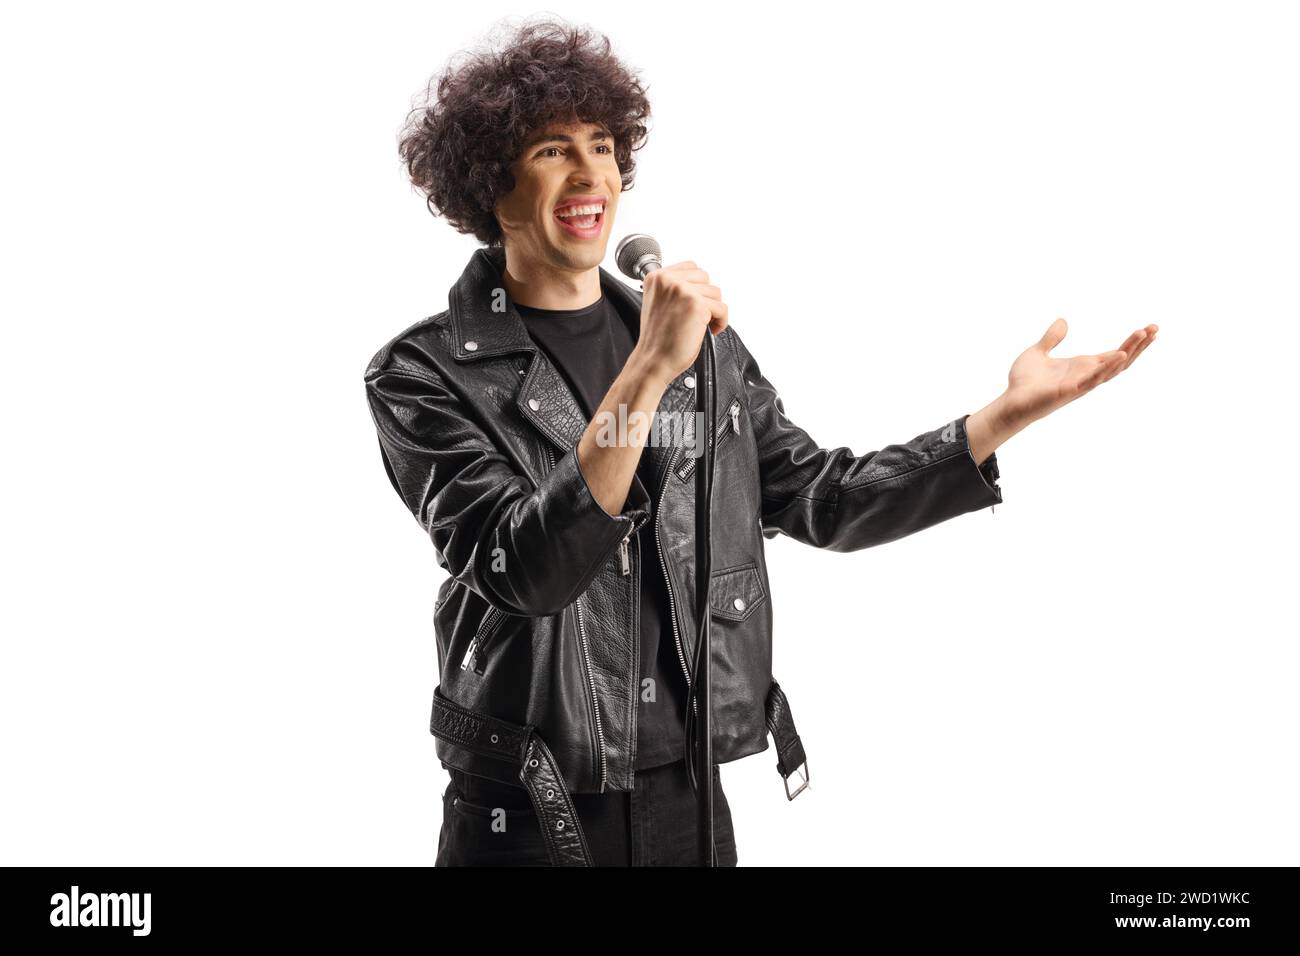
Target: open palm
pixel 1039 383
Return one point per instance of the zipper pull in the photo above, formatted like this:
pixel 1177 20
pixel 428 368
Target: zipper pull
pixel 469 653
pixel 624 561
pixel 735 417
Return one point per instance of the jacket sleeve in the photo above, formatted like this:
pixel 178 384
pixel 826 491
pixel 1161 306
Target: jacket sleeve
pixel 526 550
pixel 833 499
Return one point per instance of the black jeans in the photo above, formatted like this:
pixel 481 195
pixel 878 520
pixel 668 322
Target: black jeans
pixel 487 823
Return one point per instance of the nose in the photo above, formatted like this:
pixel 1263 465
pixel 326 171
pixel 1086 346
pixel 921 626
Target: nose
pixel 585 172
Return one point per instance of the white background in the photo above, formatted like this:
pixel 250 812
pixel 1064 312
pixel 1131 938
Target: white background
pixel 218 645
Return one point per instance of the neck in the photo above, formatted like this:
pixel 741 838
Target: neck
pixel 543 286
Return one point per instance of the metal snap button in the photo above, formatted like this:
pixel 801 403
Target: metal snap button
pixel 550 794
pixel 689 381
pixel 533 762
pixel 494 738
pixel 738 604
pixel 534 404
pixel 559 824
pixel 471 346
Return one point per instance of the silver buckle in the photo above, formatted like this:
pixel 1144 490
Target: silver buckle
pixel 803 786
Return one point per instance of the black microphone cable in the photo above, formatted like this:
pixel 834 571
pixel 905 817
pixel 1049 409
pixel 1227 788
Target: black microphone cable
pixel 699 734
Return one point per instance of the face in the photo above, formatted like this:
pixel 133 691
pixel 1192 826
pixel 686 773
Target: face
pixel 561 210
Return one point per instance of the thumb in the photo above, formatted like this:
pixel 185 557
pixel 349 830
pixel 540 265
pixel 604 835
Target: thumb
pixel 1052 337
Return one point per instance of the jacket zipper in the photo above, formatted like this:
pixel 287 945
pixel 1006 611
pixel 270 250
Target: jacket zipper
pixel 672 602
pixel 624 560
pixel 625 565
pixel 478 643
pixel 603 765
pixel 731 417
pixel 602 769
pixel 624 554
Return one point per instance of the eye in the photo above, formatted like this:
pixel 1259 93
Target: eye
pixel 607 147
pixel 547 150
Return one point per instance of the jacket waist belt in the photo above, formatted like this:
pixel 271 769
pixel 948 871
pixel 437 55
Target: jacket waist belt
pixel 566 844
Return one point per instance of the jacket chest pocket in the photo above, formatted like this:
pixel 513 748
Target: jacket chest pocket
pixel 734 593
pixel 728 424
pixel 475 655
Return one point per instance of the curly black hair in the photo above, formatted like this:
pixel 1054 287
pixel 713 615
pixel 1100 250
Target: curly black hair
pixel 460 142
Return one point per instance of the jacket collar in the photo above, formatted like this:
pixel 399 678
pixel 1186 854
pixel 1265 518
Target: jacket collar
pixel 484 321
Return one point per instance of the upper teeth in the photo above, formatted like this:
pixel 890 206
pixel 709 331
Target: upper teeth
pixel 568 211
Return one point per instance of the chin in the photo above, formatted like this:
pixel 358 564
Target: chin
pixel 586 256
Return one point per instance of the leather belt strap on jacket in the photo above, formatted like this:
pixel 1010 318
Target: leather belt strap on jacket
pixel 566 844
pixel 789 748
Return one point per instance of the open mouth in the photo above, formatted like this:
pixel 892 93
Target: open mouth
pixel 584 220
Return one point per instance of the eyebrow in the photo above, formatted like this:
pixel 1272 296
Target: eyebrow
pixel 564 138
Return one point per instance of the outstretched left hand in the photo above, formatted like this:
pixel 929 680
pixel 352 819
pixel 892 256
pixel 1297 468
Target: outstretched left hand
pixel 1039 384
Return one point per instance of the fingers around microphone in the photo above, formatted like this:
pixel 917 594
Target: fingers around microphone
pixel 718 315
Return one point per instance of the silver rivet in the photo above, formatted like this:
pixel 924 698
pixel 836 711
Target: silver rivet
pixel 522 370
pixel 739 604
pixel 559 824
pixel 534 404
pixel 471 346
pixel 689 381
pixel 533 762
pixel 494 738
pixel 550 794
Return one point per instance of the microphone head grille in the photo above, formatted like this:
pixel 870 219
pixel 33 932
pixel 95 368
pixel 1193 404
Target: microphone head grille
pixel 632 253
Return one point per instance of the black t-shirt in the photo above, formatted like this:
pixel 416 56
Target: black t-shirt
pixel 589 346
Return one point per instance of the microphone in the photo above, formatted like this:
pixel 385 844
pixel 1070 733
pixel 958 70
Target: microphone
pixel 637 256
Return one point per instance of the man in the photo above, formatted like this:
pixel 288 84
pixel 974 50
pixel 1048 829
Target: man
pixel 564 638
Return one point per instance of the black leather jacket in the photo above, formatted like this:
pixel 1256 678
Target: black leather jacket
pixel 537 623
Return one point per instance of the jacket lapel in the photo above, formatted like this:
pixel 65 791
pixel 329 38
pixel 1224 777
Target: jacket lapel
pixel 485 324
